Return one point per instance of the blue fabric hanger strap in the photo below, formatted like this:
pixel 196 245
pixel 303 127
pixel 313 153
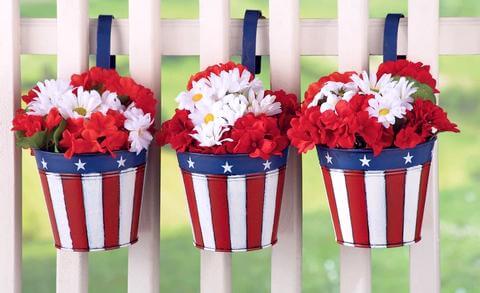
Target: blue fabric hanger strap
pixel 249 42
pixel 104 33
pixel 390 37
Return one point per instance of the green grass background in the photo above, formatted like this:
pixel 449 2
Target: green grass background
pixel 459 178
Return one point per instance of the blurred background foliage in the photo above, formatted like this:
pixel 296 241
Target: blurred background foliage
pixel 459 176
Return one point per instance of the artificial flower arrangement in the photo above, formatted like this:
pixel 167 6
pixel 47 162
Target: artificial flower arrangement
pixel 90 137
pixel 374 137
pixel 231 141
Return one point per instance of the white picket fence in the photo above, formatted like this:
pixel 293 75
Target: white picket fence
pixel 215 37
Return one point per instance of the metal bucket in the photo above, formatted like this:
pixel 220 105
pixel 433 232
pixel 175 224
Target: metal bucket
pixel 234 200
pixel 376 201
pixel 93 200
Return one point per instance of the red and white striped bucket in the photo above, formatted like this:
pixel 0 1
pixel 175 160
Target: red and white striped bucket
pixel 234 200
pixel 93 200
pixel 376 201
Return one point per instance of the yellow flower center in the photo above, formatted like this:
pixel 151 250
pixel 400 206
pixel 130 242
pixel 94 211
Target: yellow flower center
pixel 197 97
pixel 81 111
pixel 208 118
pixel 384 112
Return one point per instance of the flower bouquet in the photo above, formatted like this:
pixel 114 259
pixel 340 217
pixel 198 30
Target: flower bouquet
pixel 89 137
pixel 231 141
pixel 374 137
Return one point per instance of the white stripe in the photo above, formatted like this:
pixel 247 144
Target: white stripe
pixel 412 185
pixel 202 196
pixel 271 182
pixel 237 211
pixel 341 199
pixel 376 207
pixel 59 209
pixel 127 191
pixel 93 202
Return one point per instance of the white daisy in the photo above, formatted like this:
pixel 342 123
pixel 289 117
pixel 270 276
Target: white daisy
pixel 229 82
pixel 335 91
pixel 138 124
pixel 197 95
pixel 205 113
pixel 370 85
pixel 258 104
pixel 49 95
pixel 234 107
pixel 110 101
pixel 406 90
pixel 210 134
pixel 80 106
pixel 386 109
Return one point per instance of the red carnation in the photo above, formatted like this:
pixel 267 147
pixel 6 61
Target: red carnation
pixel 290 106
pixel 28 124
pixel 416 71
pixel 408 138
pixel 258 136
pixel 30 95
pixel 53 119
pixel 78 145
pixel 176 132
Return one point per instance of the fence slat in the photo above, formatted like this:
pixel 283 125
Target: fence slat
pixel 214 18
pixel 284 46
pixel 355 271
pixel 10 157
pixel 145 67
pixel 72 57
pixel 423 45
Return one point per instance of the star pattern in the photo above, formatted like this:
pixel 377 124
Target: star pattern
pixel 329 159
pixel 191 164
pixel 80 165
pixel 365 161
pixel 408 158
pixel 227 168
pixel 44 164
pixel 266 165
pixel 121 162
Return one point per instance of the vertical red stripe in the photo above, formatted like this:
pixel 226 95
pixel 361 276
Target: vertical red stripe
pixel 73 195
pixel 137 202
pixel 357 201
pixel 395 199
pixel 111 209
pixel 51 213
pixel 422 197
pixel 278 203
pixel 255 198
pixel 217 187
pixel 192 206
pixel 331 201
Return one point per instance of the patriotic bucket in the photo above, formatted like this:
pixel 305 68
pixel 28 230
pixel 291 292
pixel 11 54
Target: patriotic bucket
pixel 93 200
pixel 376 201
pixel 234 200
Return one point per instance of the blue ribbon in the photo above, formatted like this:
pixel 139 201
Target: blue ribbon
pixel 249 58
pixel 104 32
pixel 390 37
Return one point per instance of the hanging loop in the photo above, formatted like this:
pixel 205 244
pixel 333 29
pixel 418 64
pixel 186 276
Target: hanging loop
pixel 249 42
pixel 104 32
pixel 390 37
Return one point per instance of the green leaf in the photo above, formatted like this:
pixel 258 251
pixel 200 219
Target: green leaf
pixel 57 134
pixel 36 141
pixel 423 90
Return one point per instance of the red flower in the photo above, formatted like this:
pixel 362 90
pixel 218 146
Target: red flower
pixel 176 132
pixel 28 124
pixel 78 145
pixel 75 125
pixel 257 136
pixel 216 69
pixel 408 138
pixel 30 95
pixel 53 119
pixel 416 71
pixel 290 106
